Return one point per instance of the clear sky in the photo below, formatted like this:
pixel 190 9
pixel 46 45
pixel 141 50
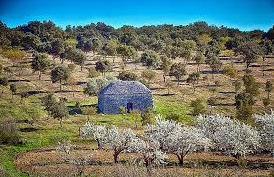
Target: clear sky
pixel 242 14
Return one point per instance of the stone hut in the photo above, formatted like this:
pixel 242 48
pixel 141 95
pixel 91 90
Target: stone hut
pixel 131 95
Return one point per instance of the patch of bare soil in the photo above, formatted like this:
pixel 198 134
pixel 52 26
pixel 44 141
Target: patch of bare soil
pixel 49 162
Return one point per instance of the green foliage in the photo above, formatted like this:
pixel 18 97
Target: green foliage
pixel 193 78
pixel 40 63
pixel 230 71
pixel 89 110
pixel 122 110
pixel 4 81
pixel 60 74
pixel 13 53
pixel 178 70
pixel 214 62
pixel 127 76
pixel 237 86
pixel 268 88
pixel 147 117
pixel 102 66
pixel 244 103
pixel 251 85
pixel 8 132
pixel 173 116
pixel 149 75
pixel 266 102
pixel 71 67
pixel 150 58
pixel 13 88
pixel 92 72
pixel 95 85
pixel 199 107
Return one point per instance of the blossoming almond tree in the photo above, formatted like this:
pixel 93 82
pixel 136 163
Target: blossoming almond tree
pixel 99 133
pixel 230 136
pixel 161 130
pixel 185 140
pixel 119 140
pixel 265 126
pixel 150 151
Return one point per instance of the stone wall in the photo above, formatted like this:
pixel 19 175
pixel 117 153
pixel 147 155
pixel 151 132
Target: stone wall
pixel 110 104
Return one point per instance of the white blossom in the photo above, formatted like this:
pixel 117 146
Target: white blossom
pixel 161 130
pixel 230 136
pixel 98 132
pixel 64 146
pixel 119 140
pixel 185 140
pixel 265 126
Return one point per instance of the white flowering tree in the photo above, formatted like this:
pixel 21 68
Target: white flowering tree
pixel 230 136
pixel 98 132
pixel 119 140
pixel 150 150
pixel 265 126
pixel 185 140
pixel 161 130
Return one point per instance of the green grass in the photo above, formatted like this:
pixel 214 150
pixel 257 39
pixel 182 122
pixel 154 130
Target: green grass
pixel 50 133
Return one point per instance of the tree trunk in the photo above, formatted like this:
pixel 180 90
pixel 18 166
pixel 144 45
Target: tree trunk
pixel 40 74
pixel 164 76
pixel 99 144
pixel 148 167
pixel 180 159
pixel 115 156
pixel 61 122
pixel 60 81
pixel 168 90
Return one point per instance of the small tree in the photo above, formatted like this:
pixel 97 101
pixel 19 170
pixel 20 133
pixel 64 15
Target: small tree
pixel 178 70
pixel 237 86
pixel 59 111
pixel 199 107
pixel 265 127
pixel 215 64
pixel 150 58
pixel 4 82
pixel 193 78
pixel 127 76
pixel 165 66
pixel 40 63
pixel 149 75
pixel 92 72
pixel 98 132
pixel 102 66
pixel 199 58
pixel 244 103
pixel 268 88
pixel 230 71
pixel 169 84
pixel 95 85
pixel 147 116
pixel 251 85
pixel 119 140
pixel 229 136
pixel 59 74
pixel 13 89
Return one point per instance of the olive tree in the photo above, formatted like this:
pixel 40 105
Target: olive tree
pixel 40 63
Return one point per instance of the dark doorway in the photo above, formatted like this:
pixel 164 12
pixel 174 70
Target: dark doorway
pixel 129 107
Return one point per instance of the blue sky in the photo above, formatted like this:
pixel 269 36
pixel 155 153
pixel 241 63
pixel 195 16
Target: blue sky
pixel 242 14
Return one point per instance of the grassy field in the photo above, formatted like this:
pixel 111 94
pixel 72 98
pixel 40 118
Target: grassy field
pixel 45 132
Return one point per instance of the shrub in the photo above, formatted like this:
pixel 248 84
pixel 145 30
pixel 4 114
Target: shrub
pixel 122 110
pixel 212 101
pixel 89 110
pixel 92 72
pixel 8 132
pixel 71 67
pixel 147 116
pixel 127 76
pixel 199 107
pixel 174 117
pixel 230 71
pixel 149 75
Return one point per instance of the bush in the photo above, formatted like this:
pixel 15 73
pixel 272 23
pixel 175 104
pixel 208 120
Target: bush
pixel 127 76
pixel 71 67
pixel 89 110
pixel 93 73
pixel 174 117
pixel 8 132
pixel 230 71
pixel 122 110
pixel 212 101
pixel 147 116
pixel 149 75
pixel 199 107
